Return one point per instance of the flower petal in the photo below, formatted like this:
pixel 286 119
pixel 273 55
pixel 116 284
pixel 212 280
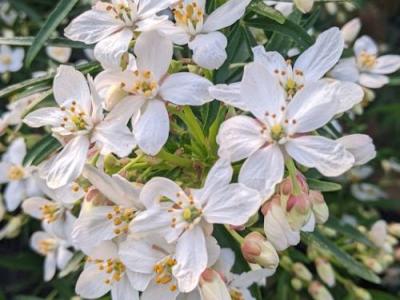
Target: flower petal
pixel 317 60
pixel 361 146
pixel 387 64
pixel 327 156
pixel 16 152
pixel 209 50
pixel 373 81
pixel 91 283
pixel 346 70
pixel 348 94
pixel 50 266
pixel 52 116
pixel 365 44
pixel 239 137
pixel 159 291
pixel 14 194
pixel 32 206
pixel 153 53
pixel 271 60
pixel 228 94
pixel 186 89
pixel 263 170
pixel 233 205
pixel 123 290
pixel 225 15
pixel 152 129
pixel 261 91
pixel 68 164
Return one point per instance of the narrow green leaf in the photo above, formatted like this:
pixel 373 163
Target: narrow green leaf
pixel 41 150
pixel 29 40
pixel 55 18
pixel 380 295
pixel 260 8
pixel 348 231
pixel 342 258
pixel 30 11
pixel 323 186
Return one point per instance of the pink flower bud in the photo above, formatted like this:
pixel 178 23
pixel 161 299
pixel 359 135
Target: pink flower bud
pixel 212 286
pixel 298 210
pixel 318 291
pixel 302 272
pixel 325 271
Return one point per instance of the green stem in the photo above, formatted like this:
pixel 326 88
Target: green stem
pixel 235 235
pixel 174 159
pixel 292 174
pixel 131 163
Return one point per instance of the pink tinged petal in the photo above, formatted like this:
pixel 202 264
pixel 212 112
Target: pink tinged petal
pixel 69 163
pixel 16 152
pixel 312 107
pixel 225 15
pixel 159 291
pixel 159 187
pixel 261 92
pixel 123 290
pixel 91 283
pixel 387 64
pixel 109 51
pixel 70 85
pixel 52 116
pixel 348 94
pixel 186 89
pixel 361 146
pixel 263 170
pixel 239 137
pixel 32 206
pixel 373 81
pixel 273 61
pixel 278 231
pixel 116 188
pixel 317 60
pixel 14 194
pixel 209 50
pixel 190 263
pixel 93 228
pixel 346 70
pixel 327 156
pixel 153 53
pixel 233 205
pixel 93 26
pixel 139 255
pixel 214 287
pixel 365 44
pixel 228 94
pixel 63 257
pixel 152 129
pixel 50 266
pixel 350 30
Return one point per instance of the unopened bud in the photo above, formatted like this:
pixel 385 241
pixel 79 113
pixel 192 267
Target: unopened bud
pixel 111 164
pixel 378 233
pixel 12 228
pixel 318 291
pixel 397 254
pixel 304 6
pixel 257 250
pixel 212 286
pixel 361 294
pixel 325 271
pixel 298 210
pixel 394 229
pixel 297 284
pixel 372 264
pixel 302 272
pixel 319 207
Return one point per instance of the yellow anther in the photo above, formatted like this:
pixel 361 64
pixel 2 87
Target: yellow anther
pixel 187 214
pixel 276 132
pixel 16 173
pixel 172 288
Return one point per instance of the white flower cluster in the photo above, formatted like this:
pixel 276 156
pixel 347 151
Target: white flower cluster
pixel 154 240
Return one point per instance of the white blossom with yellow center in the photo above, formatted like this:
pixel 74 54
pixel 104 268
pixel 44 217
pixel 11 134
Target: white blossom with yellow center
pixel 11 60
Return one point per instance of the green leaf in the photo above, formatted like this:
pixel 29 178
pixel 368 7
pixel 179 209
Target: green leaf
pixel 260 8
pixel 41 150
pixel 25 261
pixel 385 204
pixel 323 186
pixel 342 258
pixel 289 28
pixel 45 81
pixel 380 295
pixel 30 12
pixel 29 40
pixel 348 231
pixel 55 18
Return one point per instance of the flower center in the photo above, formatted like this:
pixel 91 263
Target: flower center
pixel 191 213
pixel 50 212
pixel 75 118
pixel 145 84
pixel 163 270
pixel 121 217
pixel 292 87
pixel 236 294
pixel 190 16
pixel 5 59
pixel 46 246
pixel 122 12
pixel 114 267
pixel 277 132
pixel 366 61
pixel 16 173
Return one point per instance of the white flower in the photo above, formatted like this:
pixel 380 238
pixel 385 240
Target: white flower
pixel 112 26
pixel 367 192
pixel 55 213
pixel 200 32
pixel 366 68
pixel 11 60
pixel 378 233
pixel 286 8
pixel 149 88
pixel 239 284
pixel 104 272
pixel 281 129
pixel 106 222
pixel 361 146
pixel 59 54
pixel 79 121
pixel 55 251
pixel 154 262
pixel 20 183
pixel 304 6
pixel 183 216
